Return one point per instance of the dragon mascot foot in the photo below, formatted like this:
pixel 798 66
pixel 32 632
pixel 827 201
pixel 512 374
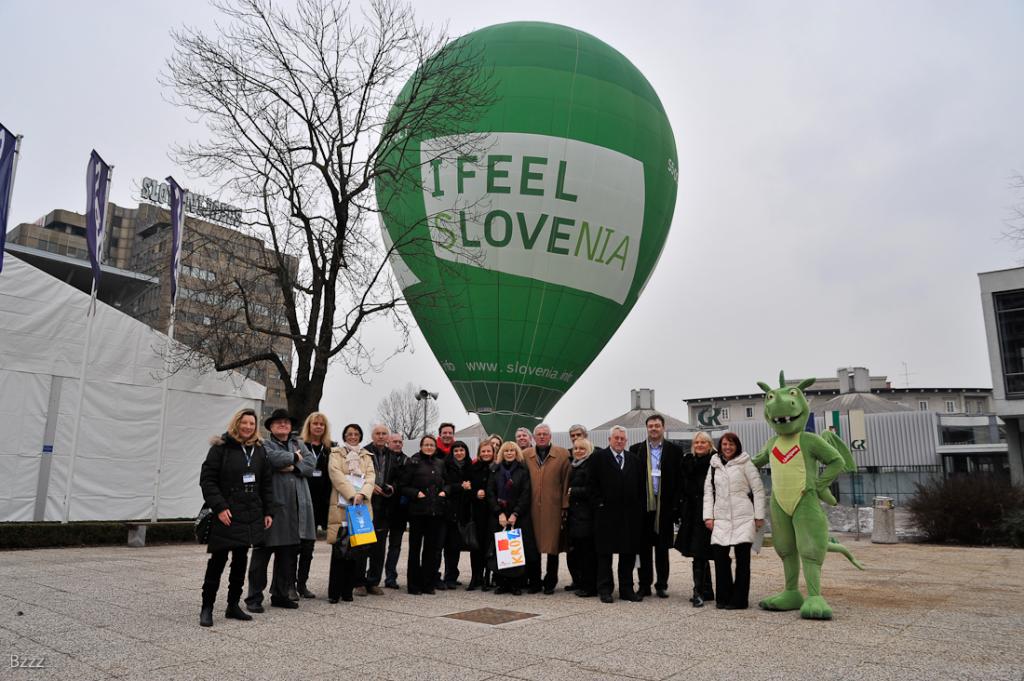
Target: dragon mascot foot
pixel 784 600
pixel 815 608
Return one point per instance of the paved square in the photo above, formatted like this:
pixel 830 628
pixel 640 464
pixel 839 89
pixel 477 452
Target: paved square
pixel 919 612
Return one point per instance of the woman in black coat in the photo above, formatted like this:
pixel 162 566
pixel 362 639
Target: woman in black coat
pixel 509 497
pixel 479 512
pixel 694 538
pixel 582 556
pixel 236 480
pixel 459 464
pixel 425 483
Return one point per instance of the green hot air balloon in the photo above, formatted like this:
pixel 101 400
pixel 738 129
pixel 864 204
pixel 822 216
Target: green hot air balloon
pixel 523 238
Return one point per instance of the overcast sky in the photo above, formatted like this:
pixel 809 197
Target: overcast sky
pixel 844 176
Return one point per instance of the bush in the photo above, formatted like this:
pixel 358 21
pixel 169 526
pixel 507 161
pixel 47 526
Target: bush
pixel 975 509
pixel 88 533
pixel 1012 528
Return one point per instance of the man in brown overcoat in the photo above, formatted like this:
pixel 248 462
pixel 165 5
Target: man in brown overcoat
pixel 549 467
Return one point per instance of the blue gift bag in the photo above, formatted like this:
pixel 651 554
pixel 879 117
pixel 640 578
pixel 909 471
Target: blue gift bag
pixel 360 525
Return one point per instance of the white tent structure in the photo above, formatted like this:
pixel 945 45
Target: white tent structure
pixel 121 472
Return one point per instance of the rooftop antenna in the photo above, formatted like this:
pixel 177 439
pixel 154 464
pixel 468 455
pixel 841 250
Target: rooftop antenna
pixel 906 375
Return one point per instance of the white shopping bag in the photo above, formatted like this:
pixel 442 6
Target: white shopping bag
pixel 508 548
pixel 759 539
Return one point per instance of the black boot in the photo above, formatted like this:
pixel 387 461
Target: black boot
pixel 706 591
pixel 236 613
pixel 702 582
pixel 206 616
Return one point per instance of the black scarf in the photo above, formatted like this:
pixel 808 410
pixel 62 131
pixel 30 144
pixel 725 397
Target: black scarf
pixel 505 471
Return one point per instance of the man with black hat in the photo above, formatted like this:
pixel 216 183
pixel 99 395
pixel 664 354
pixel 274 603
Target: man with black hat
pixel 291 462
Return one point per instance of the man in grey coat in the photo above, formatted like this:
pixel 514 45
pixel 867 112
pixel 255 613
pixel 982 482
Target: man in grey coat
pixel 292 463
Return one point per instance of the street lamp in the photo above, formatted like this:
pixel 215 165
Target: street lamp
pixel 425 397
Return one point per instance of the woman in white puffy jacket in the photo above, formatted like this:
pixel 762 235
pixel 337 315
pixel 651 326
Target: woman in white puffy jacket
pixel 734 509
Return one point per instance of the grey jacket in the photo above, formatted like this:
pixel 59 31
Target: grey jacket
pixel 295 519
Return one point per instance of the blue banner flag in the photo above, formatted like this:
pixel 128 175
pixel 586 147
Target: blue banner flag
pixel 810 424
pixel 8 162
pixel 97 187
pixel 177 196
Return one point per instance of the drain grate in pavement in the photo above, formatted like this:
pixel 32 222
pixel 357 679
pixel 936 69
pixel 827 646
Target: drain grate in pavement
pixel 491 616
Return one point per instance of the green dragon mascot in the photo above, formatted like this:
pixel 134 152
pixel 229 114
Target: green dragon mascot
pixel 799 524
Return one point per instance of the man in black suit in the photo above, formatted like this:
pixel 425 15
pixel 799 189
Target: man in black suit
pixel 387 466
pixel 617 492
pixel 662 463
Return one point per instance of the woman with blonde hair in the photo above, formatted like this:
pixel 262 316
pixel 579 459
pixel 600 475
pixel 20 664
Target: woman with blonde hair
pixel 479 475
pixel 352 479
pixel 509 497
pixel 694 538
pixel 582 556
pixel 496 442
pixel 316 435
pixel 236 480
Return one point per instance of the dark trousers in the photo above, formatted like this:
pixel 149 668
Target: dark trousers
pixel 378 553
pixel 345 575
pixel 236 577
pixel 284 568
pixel 652 545
pixel 396 531
pixel 582 560
pixel 305 560
pixel 732 591
pixel 702 579
pixel 605 584
pixel 425 537
pixel 533 578
pixel 452 552
pixel 478 563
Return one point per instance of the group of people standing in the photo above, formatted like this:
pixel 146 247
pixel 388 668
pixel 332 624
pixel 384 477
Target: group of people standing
pixel 591 504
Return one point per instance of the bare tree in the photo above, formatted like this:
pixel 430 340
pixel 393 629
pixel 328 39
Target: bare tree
pixel 1015 222
pixel 403 413
pixel 303 115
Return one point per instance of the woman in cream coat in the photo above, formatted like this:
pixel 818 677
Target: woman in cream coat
pixel 352 477
pixel 734 509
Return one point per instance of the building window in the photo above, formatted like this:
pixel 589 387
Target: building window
pixel 950 407
pixel 922 405
pixel 1009 312
pixel 724 414
pixel 750 412
pixel 198 273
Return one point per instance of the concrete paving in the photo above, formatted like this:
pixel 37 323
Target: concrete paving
pixel 918 612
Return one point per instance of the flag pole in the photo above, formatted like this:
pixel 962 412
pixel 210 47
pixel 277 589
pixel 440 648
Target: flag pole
pixel 14 172
pixel 177 240
pixel 90 318
pixel 164 389
pixel 10 194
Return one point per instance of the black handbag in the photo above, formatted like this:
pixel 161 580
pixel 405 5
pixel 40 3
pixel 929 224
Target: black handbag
pixel 470 540
pixel 203 523
pixel 343 546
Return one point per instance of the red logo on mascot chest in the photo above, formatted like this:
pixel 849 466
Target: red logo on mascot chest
pixel 785 458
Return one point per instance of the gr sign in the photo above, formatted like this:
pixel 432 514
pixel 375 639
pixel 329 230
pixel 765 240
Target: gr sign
pixel 708 417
